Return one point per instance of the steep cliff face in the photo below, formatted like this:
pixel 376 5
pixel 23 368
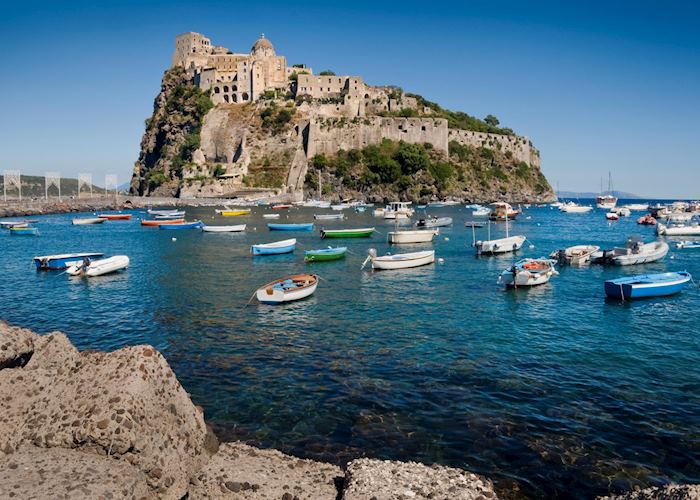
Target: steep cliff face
pixel 172 135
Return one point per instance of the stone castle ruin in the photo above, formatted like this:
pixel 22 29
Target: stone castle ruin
pixel 331 112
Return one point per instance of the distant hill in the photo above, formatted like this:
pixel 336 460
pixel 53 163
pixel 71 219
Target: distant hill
pixel 618 194
pixel 33 187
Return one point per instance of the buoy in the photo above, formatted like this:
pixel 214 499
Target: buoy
pixel 174 238
pixel 538 223
pixel 446 238
pixel 531 247
pixel 441 260
pixel 673 257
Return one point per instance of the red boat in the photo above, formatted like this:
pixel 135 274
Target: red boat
pixel 115 216
pixel 647 220
pixel 280 207
pixel 161 222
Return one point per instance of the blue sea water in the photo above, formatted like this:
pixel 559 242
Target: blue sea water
pixel 552 391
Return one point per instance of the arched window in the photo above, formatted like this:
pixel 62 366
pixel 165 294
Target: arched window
pixel 366 96
pixel 244 96
pixel 217 90
pixel 234 97
pixel 234 88
pixel 225 98
pixel 225 88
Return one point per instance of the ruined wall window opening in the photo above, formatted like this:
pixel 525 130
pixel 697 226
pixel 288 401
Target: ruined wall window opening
pixel 225 98
pixel 217 90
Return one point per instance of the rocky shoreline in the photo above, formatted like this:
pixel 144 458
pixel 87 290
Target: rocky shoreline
pixel 119 425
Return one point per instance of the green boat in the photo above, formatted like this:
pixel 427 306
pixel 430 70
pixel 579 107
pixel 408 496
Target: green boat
pixel 325 254
pixel 364 232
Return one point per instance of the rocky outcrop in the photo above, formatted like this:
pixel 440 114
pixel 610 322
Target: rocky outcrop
pixel 242 471
pixel 16 346
pixel 668 492
pixel 389 480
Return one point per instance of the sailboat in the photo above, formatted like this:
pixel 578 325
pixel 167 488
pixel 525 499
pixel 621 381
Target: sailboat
pixel 606 201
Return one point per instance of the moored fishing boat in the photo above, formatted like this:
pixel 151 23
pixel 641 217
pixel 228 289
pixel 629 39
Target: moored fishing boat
pixel 528 272
pixel 501 211
pixel 481 212
pixel 678 230
pixel 648 285
pixel 434 222
pixel 574 208
pixel 419 236
pixel 291 227
pixel 398 210
pixel 287 289
pixel 399 260
pixel 100 267
pixel 24 231
pixel 62 261
pixel 325 254
pixel 115 216
pixel 197 224
pixel 364 232
pixel 224 229
pixel 161 222
pixel 87 221
pixel 577 255
pixel 330 216
pixel 277 247
pixel 501 245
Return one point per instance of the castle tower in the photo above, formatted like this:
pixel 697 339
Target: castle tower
pixel 191 47
pixel 262 48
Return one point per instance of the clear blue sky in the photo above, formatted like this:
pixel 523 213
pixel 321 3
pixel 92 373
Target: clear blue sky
pixel 598 86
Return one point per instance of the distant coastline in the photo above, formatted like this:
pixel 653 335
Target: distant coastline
pixel 591 195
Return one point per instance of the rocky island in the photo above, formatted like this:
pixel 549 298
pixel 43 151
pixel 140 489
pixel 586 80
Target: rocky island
pixel 225 122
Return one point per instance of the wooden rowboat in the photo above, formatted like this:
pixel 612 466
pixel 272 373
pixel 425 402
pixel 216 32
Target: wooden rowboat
pixel 399 260
pixel 364 232
pixel 649 285
pixel 24 231
pixel 161 222
pixel 87 221
pixel 115 216
pixel 291 227
pixel 182 225
pixel 278 247
pixel 287 289
pixel 233 213
pixel 325 254
pixel 224 229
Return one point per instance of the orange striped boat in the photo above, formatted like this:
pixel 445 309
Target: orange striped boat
pixel 161 222
pixel 115 216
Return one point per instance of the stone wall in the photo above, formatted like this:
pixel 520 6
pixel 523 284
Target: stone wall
pixel 329 135
pixel 520 147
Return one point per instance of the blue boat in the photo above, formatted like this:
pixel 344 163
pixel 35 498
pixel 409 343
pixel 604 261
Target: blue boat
pixel 184 225
pixel 648 285
pixel 24 231
pixel 278 247
pixel 63 261
pixel 291 227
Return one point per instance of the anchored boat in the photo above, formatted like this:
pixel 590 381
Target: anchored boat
pixel 576 256
pixel 224 229
pixel 634 252
pixel 161 222
pixel 419 236
pixel 688 244
pixel 62 261
pixel 502 211
pixel 233 213
pixel 291 227
pixel 182 225
pixel 364 232
pixel 399 260
pixel 288 289
pixel 99 267
pixel 115 216
pixel 678 230
pixel 278 247
pixel 648 285
pixel 434 222
pixel 325 254
pixel 329 216
pixel 88 220
pixel 24 231
pixel 529 272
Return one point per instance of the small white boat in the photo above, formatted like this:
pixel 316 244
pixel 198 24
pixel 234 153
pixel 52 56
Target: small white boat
pixel 400 260
pixel 688 244
pixel 481 212
pixel 612 216
pixel 434 222
pixel 635 252
pixel 692 230
pixel 419 236
pixel 398 210
pixel 679 217
pixel 271 216
pixel 636 207
pixel 528 272
pixel 88 220
pixel 378 212
pixel 99 267
pixel 500 245
pixel 578 255
pixel 622 211
pixel 163 212
pixel 329 216
pixel 288 289
pixel 224 229
pixel 574 208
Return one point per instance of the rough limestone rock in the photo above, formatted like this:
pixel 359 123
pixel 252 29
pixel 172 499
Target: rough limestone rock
pixel 367 479
pixel 16 345
pixel 241 471
pixel 126 404
pixel 57 473
pixel 669 492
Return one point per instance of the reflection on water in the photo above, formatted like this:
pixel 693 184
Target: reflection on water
pixel 550 391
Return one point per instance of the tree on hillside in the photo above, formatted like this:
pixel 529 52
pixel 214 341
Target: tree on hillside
pixel 326 72
pixel 491 120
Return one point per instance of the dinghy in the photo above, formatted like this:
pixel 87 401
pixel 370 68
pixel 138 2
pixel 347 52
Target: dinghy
pixel 115 216
pixel 99 267
pixel 88 220
pixel 16 223
pixel 62 261
pixel 528 272
pixel 233 213
pixel 278 247
pixel 399 260
pixel 481 212
pixel 163 212
pixel 271 216
pixel 634 252
pixel 24 231
pixel 649 285
pixel 364 232
pixel 174 215
pixel 224 229
pixel 288 289
pixel 435 222
pixel 419 236
pixel 578 255
pixel 182 225
pixel 574 208
pixel 161 222
pixel 500 245
pixel 291 227
pixel 329 216
pixel 679 230
pixel 281 207
pixel 325 254
pixel 688 244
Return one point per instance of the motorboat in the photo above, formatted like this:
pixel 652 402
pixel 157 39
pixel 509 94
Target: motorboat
pixel 678 230
pixel 621 211
pixel 688 244
pixel 612 216
pixel 528 272
pixel 400 260
pixel 62 261
pixel 634 252
pixel 577 255
pixel 277 247
pixel 574 208
pixel 419 236
pixel 648 285
pixel 288 289
pixel 434 222
pixel 647 220
pixel 502 211
pixel 499 245
pixel 92 268
pixel 398 210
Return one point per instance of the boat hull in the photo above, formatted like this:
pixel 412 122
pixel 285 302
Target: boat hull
pixel 659 285
pixel 327 254
pixel 274 293
pixel 347 233
pixel 152 223
pixel 406 237
pixel 290 227
pixel 24 231
pixel 100 267
pixel 279 247
pixel 224 229
pixel 88 221
pixel 183 225
pixel 502 245
pixel 115 216
pixel 56 262
pixel 403 261
pixel 659 252
pixel 662 229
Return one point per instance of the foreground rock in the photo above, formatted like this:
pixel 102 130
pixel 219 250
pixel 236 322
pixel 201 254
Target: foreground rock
pixel 16 346
pixel 669 492
pixel 241 471
pixel 368 479
pixel 126 405
pixel 41 473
